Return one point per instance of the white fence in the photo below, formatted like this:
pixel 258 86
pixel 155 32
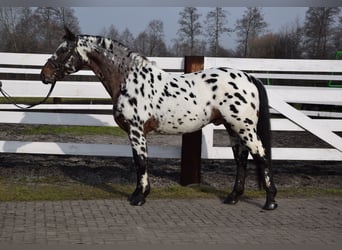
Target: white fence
pixel 279 97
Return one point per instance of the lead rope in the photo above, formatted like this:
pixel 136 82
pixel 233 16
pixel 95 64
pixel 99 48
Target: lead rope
pixel 12 101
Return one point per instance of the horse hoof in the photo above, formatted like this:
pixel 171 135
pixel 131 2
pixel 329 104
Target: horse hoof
pixel 270 205
pixel 137 200
pixel 230 200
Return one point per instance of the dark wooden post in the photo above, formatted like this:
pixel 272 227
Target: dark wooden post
pixel 191 142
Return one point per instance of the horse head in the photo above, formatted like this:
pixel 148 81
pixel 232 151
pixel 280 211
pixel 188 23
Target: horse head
pixel 64 61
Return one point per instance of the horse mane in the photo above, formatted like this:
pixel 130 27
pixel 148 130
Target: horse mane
pixel 111 45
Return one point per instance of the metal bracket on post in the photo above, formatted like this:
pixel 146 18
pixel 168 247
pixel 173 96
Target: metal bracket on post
pixel 191 142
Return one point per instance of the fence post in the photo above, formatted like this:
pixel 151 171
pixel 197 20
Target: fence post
pixel 191 142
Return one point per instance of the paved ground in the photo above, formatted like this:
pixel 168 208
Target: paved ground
pixel 201 221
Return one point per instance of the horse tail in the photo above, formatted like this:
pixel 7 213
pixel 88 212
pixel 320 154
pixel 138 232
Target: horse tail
pixel 264 125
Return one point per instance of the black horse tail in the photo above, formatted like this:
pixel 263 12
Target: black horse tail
pixel 264 125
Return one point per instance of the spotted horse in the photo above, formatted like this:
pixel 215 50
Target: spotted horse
pixel 146 98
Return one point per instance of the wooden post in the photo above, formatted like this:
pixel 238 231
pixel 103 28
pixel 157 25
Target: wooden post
pixel 191 142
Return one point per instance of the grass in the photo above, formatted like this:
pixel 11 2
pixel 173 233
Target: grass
pixel 72 130
pixel 25 100
pixel 53 189
pixel 30 100
pixel 60 188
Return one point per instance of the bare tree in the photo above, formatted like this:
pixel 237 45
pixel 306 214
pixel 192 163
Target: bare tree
pixel 150 42
pixel 155 32
pixel 290 41
pixel 250 26
pixel 318 27
pixel 264 46
pixel 34 29
pixel 190 27
pixel 52 21
pixel 9 18
pixel 337 36
pixel 110 32
pixel 127 38
pixel 141 43
pixel 28 33
pixel 178 48
pixel 69 19
pixel 216 21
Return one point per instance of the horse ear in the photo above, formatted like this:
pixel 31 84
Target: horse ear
pixel 69 35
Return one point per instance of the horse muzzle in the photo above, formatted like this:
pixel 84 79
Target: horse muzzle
pixel 50 72
pixel 47 79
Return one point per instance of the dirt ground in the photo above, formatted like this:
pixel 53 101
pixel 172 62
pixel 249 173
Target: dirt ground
pixel 163 172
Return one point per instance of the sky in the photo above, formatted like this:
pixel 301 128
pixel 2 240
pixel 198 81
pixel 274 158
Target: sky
pixel 93 19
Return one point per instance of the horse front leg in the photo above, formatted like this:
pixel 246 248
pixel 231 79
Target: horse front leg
pixel 139 148
pixel 240 156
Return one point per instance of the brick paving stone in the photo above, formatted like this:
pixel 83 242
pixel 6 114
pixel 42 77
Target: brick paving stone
pixel 182 222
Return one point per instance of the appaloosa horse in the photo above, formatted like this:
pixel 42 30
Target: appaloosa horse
pixel 146 98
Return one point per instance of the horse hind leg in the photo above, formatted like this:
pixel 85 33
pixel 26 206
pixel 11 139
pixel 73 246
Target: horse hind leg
pixel 252 141
pixel 139 148
pixel 240 155
pixel 264 169
pixel 266 178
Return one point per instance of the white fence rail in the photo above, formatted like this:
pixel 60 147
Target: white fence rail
pixel 279 97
